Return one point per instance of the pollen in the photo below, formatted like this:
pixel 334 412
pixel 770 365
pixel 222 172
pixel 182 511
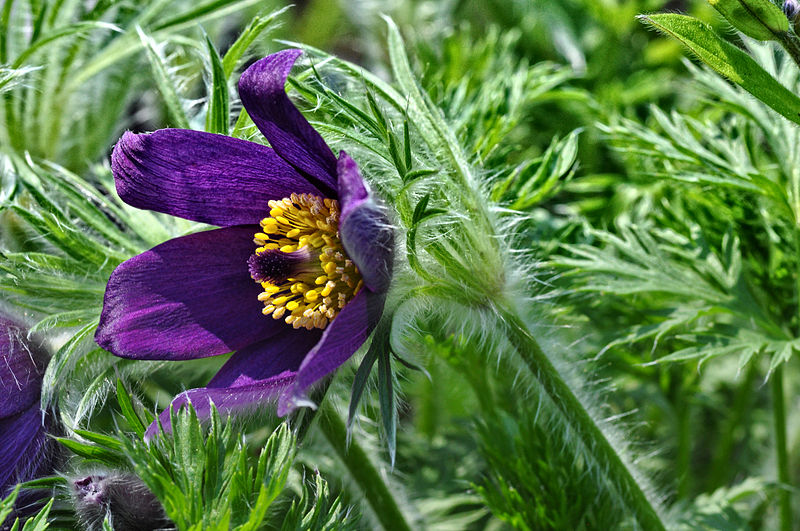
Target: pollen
pixel 316 279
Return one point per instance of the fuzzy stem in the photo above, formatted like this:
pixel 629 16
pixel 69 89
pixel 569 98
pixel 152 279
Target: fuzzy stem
pixel 361 469
pixel 791 45
pixel 580 420
pixel 303 417
pixel 782 456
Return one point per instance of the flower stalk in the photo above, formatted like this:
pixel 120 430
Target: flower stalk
pixel 361 469
pixel 790 43
pixel 782 456
pixel 580 420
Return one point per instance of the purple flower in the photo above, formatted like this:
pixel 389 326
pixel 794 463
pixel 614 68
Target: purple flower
pixel 295 279
pixel 791 8
pixel 25 450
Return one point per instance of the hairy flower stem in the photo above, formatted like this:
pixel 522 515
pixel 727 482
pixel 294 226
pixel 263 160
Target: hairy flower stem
pixel 580 420
pixel 360 466
pixel 791 45
pixel 782 457
pixel 303 417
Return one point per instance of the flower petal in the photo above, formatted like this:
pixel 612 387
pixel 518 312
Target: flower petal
pixel 364 228
pixel 225 399
pixel 22 448
pixel 283 352
pixel 21 369
pixel 341 339
pixel 201 176
pixel 263 93
pixel 189 297
pixel 251 376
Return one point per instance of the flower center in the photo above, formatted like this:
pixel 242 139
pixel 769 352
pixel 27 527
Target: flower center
pixel 306 275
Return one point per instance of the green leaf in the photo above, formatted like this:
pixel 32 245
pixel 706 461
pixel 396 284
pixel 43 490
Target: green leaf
pixel 166 86
pixel 257 25
pixel 47 482
pixel 103 440
pixel 202 12
pixel 63 362
pixel 419 210
pixel 5 17
pixel 760 19
pixel 11 77
pixel 746 343
pixel 92 392
pixel 379 342
pixel 90 451
pixel 556 166
pixel 80 199
pixel 218 99
pixel 728 61
pixel 128 44
pixel 39 522
pixel 204 475
pixel 7 504
pixel 386 397
pixel 128 411
pixel 60 33
pixel 419 174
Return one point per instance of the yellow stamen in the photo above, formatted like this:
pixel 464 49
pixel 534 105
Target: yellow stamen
pixel 305 221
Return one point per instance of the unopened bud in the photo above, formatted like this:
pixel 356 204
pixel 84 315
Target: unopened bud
pixel 760 19
pixel 791 8
pixel 122 498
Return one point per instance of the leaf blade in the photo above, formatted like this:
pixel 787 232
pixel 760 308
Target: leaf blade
pixel 727 60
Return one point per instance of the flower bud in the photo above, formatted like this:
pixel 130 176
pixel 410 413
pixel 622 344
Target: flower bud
pixel 26 452
pixel 760 19
pixel 122 498
pixel 791 8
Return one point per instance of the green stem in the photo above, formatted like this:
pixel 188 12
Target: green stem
pixel 360 466
pixel 684 429
pixel 721 471
pixel 303 417
pixel 782 456
pixel 791 45
pixel 581 421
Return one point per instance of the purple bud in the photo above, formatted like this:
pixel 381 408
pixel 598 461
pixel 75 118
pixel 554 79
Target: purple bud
pixel 26 452
pixel 791 8
pixel 122 498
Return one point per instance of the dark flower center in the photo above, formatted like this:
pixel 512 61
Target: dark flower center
pixel 273 265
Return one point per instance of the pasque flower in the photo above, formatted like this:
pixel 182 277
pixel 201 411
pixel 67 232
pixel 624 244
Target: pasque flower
pixel 25 449
pixel 295 279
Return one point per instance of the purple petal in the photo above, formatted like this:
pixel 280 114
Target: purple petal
pixel 263 93
pixel 284 352
pixel 23 451
pixel 249 378
pixel 352 188
pixel 364 228
pixel 225 399
pixel 21 369
pixel 187 298
pixel 343 336
pixel 201 176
